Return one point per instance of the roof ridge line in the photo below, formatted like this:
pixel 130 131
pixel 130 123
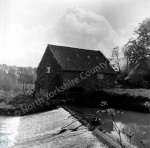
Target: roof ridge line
pixel 73 47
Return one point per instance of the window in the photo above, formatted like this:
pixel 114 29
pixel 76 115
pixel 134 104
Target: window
pixel 48 70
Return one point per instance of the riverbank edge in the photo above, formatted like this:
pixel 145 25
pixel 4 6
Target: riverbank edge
pixel 91 99
pixel 124 101
pixel 101 136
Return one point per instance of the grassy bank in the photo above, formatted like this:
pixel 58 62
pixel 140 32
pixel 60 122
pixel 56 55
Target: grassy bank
pixel 132 92
pixel 126 99
pixel 18 104
pixel 121 99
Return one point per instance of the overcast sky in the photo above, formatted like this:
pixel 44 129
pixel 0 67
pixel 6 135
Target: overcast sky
pixel 27 26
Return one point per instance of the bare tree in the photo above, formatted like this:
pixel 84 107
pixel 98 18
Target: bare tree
pixel 115 58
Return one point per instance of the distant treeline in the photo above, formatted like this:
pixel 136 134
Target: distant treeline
pixel 12 78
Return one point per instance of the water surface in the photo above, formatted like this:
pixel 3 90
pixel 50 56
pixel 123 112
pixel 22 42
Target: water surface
pixel 52 129
pixel 138 123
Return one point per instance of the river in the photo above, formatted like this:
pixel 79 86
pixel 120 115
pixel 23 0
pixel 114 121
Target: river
pixel 138 123
pixel 13 130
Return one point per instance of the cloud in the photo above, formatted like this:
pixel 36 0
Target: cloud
pixel 85 29
pixel 29 25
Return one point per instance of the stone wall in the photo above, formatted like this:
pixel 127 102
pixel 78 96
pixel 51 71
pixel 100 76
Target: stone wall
pixel 88 82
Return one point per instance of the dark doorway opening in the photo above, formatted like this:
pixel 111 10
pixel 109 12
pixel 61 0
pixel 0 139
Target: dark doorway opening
pixel 75 95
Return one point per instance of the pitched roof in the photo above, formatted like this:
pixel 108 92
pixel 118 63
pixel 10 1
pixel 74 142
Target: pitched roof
pixel 75 59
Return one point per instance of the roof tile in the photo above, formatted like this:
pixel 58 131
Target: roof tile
pixel 74 59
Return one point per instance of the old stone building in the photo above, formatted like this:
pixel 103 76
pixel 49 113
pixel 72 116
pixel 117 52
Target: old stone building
pixel 67 69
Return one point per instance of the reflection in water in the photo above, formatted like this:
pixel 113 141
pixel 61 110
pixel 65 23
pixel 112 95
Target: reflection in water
pixel 120 125
pixel 138 123
pixel 9 127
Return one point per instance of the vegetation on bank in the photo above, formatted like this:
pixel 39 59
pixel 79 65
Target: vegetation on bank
pixel 16 87
pixel 25 104
pixel 132 92
pixel 123 101
pixel 15 104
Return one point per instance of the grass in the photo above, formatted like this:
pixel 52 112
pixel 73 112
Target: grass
pixel 10 101
pixel 131 92
pixel 15 104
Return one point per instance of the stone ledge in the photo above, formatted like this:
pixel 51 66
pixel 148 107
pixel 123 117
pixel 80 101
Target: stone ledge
pixel 101 136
